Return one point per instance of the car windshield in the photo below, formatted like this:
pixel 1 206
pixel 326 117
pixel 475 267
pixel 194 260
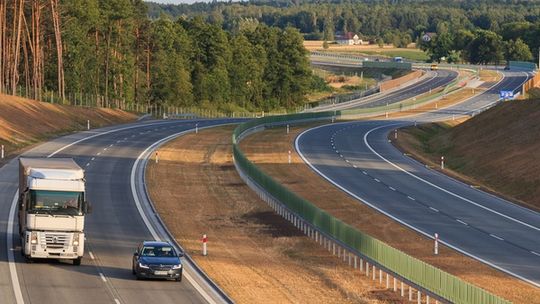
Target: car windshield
pixel 55 202
pixel 158 251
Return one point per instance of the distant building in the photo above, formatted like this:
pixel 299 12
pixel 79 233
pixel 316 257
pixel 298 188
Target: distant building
pixel 349 39
pixel 428 36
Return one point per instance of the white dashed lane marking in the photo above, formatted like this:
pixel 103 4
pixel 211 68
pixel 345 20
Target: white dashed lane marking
pixel 411 198
pixel 433 209
pixel 460 221
pixel 378 181
pixel 91 255
pixel 497 237
pixel 392 188
pixel 102 277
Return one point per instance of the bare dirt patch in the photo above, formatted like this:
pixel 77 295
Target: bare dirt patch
pixel 24 122
pixel 269 149
pixel 254 255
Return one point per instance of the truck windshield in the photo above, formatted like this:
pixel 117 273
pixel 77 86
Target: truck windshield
pixel 56 202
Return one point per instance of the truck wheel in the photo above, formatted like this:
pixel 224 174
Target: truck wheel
pixel 77 261
pixel 28 259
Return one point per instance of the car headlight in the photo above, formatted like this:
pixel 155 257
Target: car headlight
pixel 33 238
pixel 141 265
pixel 177 266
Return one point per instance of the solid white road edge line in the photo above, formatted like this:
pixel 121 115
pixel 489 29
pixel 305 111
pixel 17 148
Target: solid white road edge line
pixel 145 219
pixel 437 187
pixel 395 218
pixel 10 248
pixel 11 218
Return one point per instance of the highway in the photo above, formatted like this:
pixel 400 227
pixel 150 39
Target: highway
pixel 113 230
pixel 432 80
pixel 358 158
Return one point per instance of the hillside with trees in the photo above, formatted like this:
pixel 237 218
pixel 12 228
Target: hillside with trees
pixel 505 30
pixel 111 52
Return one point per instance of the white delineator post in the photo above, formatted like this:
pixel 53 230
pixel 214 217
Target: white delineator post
pixel 88 124
pixel 395 134
pixel 289 156
pixel 196 128
pixel 204 240
pixel 436 247
pixel 287 129
pixel 2 152
pixel 157 160
pixel 442 162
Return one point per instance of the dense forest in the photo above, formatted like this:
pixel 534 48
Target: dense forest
pixel 110 50
pixel 504 29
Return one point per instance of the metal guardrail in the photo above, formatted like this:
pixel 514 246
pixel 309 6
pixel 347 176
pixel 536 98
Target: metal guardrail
pixel 416 272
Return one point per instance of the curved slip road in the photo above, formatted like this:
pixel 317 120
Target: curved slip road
pixel 112 230
pixel 432 80
pixel 358 158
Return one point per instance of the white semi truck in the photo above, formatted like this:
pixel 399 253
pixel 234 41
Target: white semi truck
pixel 52 207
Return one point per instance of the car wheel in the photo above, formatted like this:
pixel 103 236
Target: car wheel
pixel 133 269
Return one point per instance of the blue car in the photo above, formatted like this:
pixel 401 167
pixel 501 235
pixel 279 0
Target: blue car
pixel 157 260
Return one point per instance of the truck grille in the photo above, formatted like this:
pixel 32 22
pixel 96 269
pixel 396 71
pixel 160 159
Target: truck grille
pixel 55 240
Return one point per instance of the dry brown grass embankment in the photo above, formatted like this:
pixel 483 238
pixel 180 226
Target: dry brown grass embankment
pixel 24 122
pixel 254 255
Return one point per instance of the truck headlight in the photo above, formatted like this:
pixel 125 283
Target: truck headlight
pixel 33 238
pixel 75 239
pixel 177 266
pixel 141 265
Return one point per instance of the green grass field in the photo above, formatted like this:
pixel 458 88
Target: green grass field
pixel 410 54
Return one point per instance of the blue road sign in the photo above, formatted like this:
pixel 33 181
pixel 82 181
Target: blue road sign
pixel 506 94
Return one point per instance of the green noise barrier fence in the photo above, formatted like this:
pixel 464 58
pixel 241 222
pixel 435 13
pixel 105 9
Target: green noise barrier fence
pixel 428 277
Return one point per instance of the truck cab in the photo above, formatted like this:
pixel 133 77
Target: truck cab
pixel 52 208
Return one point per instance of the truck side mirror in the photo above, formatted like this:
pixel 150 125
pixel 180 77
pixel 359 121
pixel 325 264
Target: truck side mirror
pixel 87 207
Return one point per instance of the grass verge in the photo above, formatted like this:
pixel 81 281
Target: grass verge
pixel 253 254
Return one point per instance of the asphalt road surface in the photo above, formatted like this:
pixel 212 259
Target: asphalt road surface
pixel 358 158
pixel 432 80
pixel 113 229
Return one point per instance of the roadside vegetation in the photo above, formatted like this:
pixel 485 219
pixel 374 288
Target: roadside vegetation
pixel 110 52
pixel 496 150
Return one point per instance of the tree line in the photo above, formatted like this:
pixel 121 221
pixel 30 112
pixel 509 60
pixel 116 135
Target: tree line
pixel 111 50
pixel 509 25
